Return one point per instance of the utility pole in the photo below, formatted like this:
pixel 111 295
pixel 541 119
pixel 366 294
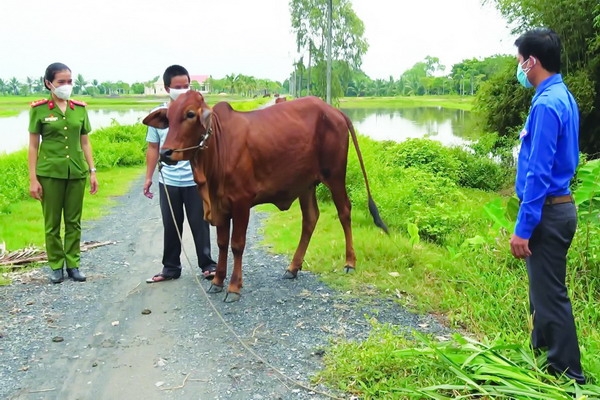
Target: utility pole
pixel 309 60
pixel 329 19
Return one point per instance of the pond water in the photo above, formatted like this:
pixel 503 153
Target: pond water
pixel 14 134
pixel 450 127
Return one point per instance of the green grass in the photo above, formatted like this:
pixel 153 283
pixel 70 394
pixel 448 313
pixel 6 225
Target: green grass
pixel 12 105
pixel 456 368
pixel 23 225
pixel 477 289
pixel 452 102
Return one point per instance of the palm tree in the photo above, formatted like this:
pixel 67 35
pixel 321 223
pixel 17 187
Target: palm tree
pixel 80 84
pixel 13 85
pixel 3 87
pixel 231 82
pixel 29 83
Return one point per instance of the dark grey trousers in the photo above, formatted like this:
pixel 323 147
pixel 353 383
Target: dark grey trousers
pixel 553 322
pixel 188 198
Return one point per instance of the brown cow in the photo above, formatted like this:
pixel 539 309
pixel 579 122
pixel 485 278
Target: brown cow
pixel 274 155
pixel 280 100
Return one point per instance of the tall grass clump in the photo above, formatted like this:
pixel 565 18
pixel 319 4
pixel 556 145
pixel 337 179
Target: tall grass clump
pixel 388 363
pixel 119 145
pixel 14 183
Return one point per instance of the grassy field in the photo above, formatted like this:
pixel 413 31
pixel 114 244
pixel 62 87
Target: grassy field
pixel 453 102
pixel 13 105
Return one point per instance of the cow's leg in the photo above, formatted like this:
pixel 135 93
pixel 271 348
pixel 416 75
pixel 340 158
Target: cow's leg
pixel 310 215
pixel 241 215
pixel 344 208
pixel 217 283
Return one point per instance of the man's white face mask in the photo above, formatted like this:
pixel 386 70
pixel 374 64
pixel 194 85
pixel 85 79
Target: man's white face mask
pixel 175 93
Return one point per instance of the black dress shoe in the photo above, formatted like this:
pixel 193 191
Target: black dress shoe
pixel 76 275
pixel 57 275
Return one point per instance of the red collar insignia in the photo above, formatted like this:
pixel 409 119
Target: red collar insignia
pixel 39 102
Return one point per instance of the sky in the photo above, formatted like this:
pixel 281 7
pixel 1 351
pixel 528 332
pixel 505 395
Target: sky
pixel 134 41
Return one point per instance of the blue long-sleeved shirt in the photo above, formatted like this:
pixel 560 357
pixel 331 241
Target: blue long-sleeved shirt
pixel 549 151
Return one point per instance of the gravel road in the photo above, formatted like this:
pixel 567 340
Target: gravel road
pixel 182 349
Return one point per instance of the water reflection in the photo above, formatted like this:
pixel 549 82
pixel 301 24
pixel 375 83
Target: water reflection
pixel 450 127
pixel 14 134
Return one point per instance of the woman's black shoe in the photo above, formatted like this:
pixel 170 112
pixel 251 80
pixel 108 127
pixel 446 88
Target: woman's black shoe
pixel 76 275
pixel 57 275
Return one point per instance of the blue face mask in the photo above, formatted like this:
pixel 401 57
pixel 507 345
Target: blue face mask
pixel 522 75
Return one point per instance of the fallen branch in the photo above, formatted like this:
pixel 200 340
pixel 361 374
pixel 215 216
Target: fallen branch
pixel 33 254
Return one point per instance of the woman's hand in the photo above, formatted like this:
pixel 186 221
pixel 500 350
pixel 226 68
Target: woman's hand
pixel 35 189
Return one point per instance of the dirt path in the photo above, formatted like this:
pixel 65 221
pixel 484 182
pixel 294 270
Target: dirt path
pixel 181 350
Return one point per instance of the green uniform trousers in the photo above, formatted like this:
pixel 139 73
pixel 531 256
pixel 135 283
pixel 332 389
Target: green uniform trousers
pixel 62 197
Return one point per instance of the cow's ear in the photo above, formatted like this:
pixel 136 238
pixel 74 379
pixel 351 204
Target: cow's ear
pixel 205 114
pixel 157 119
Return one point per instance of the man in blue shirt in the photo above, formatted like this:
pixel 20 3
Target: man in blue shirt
pixel 547 217
pixel 178 180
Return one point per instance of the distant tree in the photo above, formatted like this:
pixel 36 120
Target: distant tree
pixel 29 84
pixel 310 25
pixel 79 84
pixel 137 88
pixel 13 86
pixel 578 24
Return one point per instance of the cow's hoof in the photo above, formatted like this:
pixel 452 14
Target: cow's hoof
pixel 215 288
pixel 349 269
pixel 289 275
pixel 232 297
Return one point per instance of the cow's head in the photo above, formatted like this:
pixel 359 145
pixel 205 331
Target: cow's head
pixel 188 119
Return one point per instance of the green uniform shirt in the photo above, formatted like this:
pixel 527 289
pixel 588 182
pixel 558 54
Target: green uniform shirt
pixel 60 154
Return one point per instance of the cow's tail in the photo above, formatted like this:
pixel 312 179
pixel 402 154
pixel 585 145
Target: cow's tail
pixel 372 206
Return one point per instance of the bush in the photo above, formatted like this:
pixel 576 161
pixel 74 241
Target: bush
pixel 120 145
pixel 15 179
pixel 427 155
pixel 479 172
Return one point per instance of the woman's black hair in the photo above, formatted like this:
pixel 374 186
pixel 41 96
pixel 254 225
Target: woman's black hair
pixel 52 70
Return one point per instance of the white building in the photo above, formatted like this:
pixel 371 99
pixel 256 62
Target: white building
pixel 158 88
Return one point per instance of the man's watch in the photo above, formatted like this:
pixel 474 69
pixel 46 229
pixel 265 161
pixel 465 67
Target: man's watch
pixel 92 170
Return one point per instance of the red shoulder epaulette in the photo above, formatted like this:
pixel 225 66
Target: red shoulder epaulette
pixel 39 102
pixel 79 103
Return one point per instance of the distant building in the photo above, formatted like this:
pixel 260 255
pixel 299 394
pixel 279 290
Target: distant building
pixel 158 87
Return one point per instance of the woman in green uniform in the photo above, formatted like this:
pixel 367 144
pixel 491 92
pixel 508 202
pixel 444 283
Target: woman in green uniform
pixel 60 158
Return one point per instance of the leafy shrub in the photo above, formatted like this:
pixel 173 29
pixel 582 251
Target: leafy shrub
pixel 413 195
pixel 119 145
pixel 14 185
pixel 427 155
pixel 479 172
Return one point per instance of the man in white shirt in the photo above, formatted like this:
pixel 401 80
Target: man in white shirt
pixel 178 180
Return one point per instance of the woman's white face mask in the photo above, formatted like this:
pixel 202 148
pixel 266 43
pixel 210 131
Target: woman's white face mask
pixel 62 92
